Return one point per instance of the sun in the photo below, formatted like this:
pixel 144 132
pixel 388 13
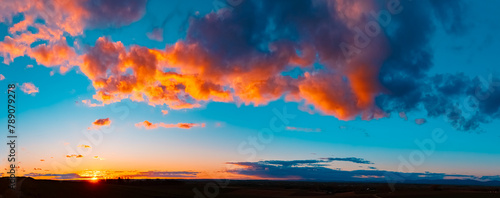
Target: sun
pixel 94 180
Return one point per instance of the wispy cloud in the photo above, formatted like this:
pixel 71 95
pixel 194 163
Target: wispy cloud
pixel 54 176
pixel 303 129
pixel 84 146
pixel 90 104
pixel 148 125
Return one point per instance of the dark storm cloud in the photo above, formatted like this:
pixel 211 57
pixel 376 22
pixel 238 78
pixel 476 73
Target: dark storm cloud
pixel 404 73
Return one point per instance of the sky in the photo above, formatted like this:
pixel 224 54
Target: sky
pixel 241 89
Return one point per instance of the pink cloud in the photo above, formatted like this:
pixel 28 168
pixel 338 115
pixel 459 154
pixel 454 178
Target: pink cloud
pixel 29 88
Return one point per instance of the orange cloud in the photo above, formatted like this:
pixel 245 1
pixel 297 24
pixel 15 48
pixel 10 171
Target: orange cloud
pixel 2 77
pixel 211 64
pixel 164 112
pixel 29 88
pixel 185 76
pixel 101 122
pixel 148 125
pixel 65 16
pixel 84 146
pixel 74 156
pixel 98 158
pixel 55 54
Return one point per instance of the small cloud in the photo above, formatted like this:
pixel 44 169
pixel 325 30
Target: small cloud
pixel 88 103
pixel 74 156
pixel 219 124
pixel 29 88
pixel 148 125
pixel 84 146
pixel 51 73
pixel 420 121
pixel 97 158
pixel 42 160
pixel 101 122
pixel 303 129
pixel 156 34
pixel 164 112
pixel 29 66
pixel 403 115
pixel 2 77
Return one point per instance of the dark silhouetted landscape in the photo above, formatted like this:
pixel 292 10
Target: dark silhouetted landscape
pixel 29 187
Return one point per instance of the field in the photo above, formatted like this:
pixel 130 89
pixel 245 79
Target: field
pixel 29 187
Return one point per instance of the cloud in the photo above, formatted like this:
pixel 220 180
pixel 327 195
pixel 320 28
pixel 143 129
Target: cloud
pixel 101 122
pixel 343 69
pixel 164 174
pixel 54 176
pixel 311 170
pixel 74 156
pixel 115 174
pixel 90 104
pixel 463 101
pixel 164 112
pixel 440 94
pixel 156 34
pixel 201 70
pixel 2 77
pixel 53 55
pixel 84 146
pixel 221 64
pixel 299 163
pixel 348 159
pixel 60 18
pixel 98 158
pixel 420 121
pixel 148 125
pixel 29 88
pixel 403 115
pixel 303 129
